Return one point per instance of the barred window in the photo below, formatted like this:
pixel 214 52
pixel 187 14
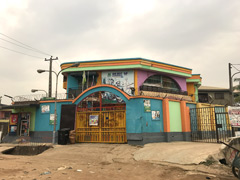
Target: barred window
pixel 219 95
pixel 162 81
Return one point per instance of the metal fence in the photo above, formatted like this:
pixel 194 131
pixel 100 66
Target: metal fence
pixel 210 124
pixel 36 97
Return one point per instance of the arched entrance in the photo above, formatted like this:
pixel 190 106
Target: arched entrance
pixel 101 117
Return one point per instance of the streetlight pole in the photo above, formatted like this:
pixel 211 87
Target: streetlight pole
pixel 55 103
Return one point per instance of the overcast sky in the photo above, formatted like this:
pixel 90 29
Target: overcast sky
pixel 201 35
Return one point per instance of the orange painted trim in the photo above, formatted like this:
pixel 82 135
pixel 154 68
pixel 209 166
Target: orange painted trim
pixel 103 85
pixel 195 77
pixel 167 66
pixel 109 64
pixel 166 115
pixel 50 101
pixel 125 94
pixel 172 68
pixel 103 63
pixel 132 62
pixel 146 97
pixel 158 98
pixel 185 117
pixel 136 82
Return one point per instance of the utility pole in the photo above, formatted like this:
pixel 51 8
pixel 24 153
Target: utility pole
pixel 230 83
pixel 50 75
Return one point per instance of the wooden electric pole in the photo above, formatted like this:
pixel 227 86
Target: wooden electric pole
pixel 50 75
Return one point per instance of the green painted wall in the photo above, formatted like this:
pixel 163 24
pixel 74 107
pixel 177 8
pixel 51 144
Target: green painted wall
pixel 32 111
pixel 175 117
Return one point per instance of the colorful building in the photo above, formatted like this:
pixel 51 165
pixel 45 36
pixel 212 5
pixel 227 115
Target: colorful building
pixel 132 100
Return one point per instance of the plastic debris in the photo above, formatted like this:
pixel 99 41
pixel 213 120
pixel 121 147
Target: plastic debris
pixel 45 173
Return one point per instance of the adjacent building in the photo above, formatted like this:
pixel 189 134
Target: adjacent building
pixel 214 95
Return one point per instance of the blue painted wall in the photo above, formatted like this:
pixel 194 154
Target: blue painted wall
pixel 139 121
pixel 72 82
pixel 193 116
pixel 150 125
pixel 191 105
pixel 42 119
pixel 134 116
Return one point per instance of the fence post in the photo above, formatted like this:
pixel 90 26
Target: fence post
pixel 216 126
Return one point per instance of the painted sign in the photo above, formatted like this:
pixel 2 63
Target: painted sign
pixel 155 115
pixel 13 118
pixel 93 120
pixel 147 105
pixel 51 121
pixel 45 108
pixel 13 128
pixel 124 80
pixel 234 116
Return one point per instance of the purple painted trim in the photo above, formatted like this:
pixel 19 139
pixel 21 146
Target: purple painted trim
pixel 181 82
pixel 143 75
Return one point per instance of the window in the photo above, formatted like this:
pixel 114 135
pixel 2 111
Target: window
pixel 203 98
pixel 162 82
pixel 219 95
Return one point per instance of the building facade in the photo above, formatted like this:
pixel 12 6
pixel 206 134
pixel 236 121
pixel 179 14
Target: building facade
pixel 132 100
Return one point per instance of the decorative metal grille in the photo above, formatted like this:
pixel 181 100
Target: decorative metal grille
pixel 210 124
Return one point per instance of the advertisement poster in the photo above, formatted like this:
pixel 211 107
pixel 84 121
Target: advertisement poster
pixel 93 120
pixel 13 129
pixel 156 115
pixel 124 80
pixel 147 105
pixel 51 121
pixel 234 116
pixel 14 119
pixel 45 108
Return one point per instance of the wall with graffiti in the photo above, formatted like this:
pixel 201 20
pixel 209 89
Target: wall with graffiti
pixel 124 80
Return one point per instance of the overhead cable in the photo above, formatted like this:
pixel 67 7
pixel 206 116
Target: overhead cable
pixel 33 49
pixel 20 52
pixel 235 68
pixel 17 45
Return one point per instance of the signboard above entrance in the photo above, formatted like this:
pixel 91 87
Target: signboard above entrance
pixel 124 80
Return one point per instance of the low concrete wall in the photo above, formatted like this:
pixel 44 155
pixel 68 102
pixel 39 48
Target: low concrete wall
pixel 145 138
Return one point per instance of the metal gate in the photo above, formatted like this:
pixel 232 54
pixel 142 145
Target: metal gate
pixel 210 124
pixel 101 126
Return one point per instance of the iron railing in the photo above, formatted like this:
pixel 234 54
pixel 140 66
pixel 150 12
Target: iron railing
pixel 210 124
pixel 37 97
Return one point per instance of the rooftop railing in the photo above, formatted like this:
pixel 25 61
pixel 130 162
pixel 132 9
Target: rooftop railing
pixel 37 97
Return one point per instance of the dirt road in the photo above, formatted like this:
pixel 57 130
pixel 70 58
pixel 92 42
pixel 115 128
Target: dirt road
pixel 101 161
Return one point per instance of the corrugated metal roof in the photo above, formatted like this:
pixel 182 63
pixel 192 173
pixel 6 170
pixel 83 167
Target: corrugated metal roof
pixel 211 88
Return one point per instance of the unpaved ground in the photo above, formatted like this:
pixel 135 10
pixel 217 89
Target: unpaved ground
pixel 101 161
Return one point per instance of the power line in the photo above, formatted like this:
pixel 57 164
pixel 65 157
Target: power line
pixel 57 63
pixel 235 68
pixel 26 45
pixel 20 52
pixel 18 45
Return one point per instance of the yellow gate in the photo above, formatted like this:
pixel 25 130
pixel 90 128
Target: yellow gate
pixel 101 126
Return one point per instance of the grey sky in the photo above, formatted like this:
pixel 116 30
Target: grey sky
pixel 201 35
